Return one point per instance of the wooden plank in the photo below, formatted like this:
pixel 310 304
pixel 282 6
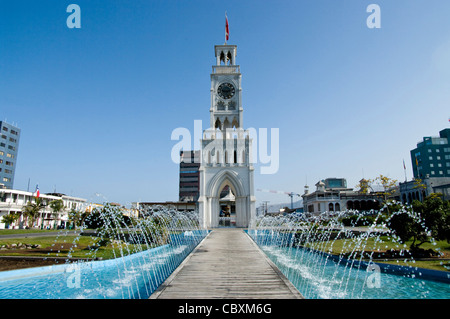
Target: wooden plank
pixel 227 264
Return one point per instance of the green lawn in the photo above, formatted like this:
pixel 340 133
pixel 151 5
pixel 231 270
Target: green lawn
pixel 28 231
pixel 67 246
pixel 384 243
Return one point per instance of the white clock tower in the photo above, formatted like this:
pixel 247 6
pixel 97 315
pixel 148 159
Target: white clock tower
pixel 226 170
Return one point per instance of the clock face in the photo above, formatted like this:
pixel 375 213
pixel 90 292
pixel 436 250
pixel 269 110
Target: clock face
pixel 226 90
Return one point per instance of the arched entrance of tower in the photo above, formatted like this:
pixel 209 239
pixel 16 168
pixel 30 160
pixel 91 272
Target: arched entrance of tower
pixel 227 200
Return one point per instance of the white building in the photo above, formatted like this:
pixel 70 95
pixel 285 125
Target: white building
pixel 13 201
pixel 333 195
pixel 226 150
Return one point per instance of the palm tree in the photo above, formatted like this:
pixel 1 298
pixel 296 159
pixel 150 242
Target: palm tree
pixel 31 211
pixel 56 205
pixel 75 217
pixel 10 218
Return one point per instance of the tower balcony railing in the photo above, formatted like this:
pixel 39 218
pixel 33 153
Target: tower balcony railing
pixel 222 69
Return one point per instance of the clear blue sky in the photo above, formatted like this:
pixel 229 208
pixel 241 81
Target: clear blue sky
pixel 97 105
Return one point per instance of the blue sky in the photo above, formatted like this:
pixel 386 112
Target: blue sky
pixel 97 105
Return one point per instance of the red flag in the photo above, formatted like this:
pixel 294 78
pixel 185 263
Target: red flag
pixel 227 31
pixel 36 193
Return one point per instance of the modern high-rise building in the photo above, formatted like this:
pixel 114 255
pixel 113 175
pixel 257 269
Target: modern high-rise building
pixel 9 146
pixel 189 176
pixel 431 157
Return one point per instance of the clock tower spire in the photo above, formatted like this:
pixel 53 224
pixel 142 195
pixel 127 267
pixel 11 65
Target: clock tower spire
pixel 226 101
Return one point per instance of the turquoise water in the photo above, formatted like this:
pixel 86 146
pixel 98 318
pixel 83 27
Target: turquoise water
pixel 135 276
pixel 316 276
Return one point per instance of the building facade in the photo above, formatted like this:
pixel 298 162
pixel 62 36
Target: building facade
pixel 189 189
pixel 13 201
pixel 431 157
pixel 332 195
pixel 419 189
pixel 226 149
pixel 9 147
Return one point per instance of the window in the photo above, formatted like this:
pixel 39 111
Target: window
pixel 14 132
pixel 431 165
pixel 5 129
pixel 448 171
pixel 11 147
pixel 6 179
pixel 8 171
pixel 8 155
pixel 438 157
pixel 430 158
pixel 441 173
pixel 429 150
pixel 1 153
pixel 447 149
pixel 439 165
pixel 437 150
pixel 447 156
pixel 432 172
pixel 12 140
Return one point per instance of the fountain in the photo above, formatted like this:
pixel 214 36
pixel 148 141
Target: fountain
pixel 145 252
pixel 325 259
pixel 323 256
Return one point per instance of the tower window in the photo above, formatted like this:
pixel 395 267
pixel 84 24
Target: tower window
pixel 229 58
pixel 218 124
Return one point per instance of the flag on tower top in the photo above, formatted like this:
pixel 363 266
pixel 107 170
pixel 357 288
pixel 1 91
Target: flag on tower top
pixel 227 31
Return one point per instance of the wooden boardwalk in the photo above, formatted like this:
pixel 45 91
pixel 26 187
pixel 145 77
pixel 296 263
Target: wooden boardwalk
pixel 227 264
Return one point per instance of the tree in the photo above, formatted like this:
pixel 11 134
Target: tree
pixel 436 214
pixel 10 218
pixel 364 186
pixel 388 184
pixel 389 187
pixel 57 206
pixel 428 219
pixel 75 217
pixel 31 211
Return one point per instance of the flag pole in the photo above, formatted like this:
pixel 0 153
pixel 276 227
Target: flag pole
pixel 404 167
pixel 417 166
